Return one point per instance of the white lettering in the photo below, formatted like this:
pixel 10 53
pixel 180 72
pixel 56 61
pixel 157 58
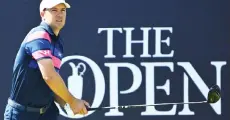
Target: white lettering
pixel 129 41
pixel 200 84
pixel 150 90
pixel 159 41
pixel 137 78
pixel 109 40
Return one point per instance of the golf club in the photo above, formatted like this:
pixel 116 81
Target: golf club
pixel 213 97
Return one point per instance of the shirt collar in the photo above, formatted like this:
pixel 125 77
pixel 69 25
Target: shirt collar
pixel 47 27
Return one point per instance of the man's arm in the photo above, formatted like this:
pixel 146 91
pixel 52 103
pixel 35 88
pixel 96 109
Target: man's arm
pixel 38 45
pixel 57 85
pixel 59 100
pixel 54 80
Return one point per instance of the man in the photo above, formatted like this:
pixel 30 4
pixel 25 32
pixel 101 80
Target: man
pixel 36 82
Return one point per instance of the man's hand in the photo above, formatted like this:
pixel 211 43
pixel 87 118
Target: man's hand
pixel 79 106
pixel 75 107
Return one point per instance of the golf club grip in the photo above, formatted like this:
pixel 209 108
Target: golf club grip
pixel 90 109
pixel 99 108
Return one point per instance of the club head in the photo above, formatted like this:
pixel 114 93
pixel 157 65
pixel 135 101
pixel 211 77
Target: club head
pixel 214 94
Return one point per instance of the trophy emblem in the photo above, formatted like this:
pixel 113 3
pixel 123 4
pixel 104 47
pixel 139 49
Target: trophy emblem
pixel 75 81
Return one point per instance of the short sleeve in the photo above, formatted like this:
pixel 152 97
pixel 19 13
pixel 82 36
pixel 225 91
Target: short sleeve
pixel 38 45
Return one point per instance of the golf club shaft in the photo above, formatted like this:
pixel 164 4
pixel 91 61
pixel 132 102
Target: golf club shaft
pixel 142 105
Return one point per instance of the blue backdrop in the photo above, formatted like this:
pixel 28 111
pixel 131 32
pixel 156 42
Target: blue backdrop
pixel 134 52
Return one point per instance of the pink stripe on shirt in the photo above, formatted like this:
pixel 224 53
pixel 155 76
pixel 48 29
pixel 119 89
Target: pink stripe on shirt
pixel 47 53
pixel 56 62
pixel 41 53
pixel 38 34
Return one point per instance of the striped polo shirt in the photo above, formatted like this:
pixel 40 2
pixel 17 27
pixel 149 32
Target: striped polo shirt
pixel 28 86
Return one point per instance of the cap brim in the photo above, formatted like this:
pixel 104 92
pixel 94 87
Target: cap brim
pixel 67 5
pixel 54 4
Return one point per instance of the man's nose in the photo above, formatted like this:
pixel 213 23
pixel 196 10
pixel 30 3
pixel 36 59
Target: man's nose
pixel 60 14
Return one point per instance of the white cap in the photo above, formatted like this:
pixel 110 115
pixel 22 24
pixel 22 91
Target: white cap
pixel 51 3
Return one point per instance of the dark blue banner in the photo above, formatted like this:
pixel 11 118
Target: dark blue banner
pixel 134 52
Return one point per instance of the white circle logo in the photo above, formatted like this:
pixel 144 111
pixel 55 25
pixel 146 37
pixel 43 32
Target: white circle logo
pixel 75 82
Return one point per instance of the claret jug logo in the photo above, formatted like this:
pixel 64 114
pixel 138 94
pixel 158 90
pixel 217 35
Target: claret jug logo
pixel 75 81
pixel 143 72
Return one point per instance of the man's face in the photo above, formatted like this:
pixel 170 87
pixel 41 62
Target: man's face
pixel 56 16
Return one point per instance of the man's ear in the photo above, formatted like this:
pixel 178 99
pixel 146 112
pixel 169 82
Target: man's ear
pixel 42 13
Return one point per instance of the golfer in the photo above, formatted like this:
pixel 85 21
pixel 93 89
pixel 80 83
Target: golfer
pixel 36 83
